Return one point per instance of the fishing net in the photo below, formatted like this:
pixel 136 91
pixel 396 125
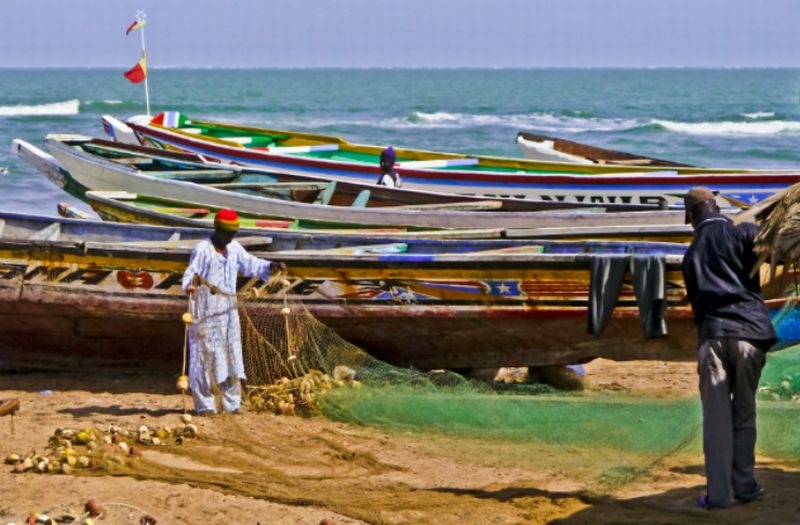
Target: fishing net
pixel 293 358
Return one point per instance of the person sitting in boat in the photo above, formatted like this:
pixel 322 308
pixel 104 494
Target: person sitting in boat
pixel 389 177
pixel 215 341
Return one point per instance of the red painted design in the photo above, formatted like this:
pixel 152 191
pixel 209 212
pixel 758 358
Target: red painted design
pixel 131 280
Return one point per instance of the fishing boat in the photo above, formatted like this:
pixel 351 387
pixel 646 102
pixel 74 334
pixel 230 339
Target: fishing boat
pixel 194 168
pixel 129 207
pixel 80 291
pixel 544 148
pixel 334 157
pixel 82 170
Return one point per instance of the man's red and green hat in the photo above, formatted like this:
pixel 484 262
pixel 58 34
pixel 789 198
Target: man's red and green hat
pixel 226 220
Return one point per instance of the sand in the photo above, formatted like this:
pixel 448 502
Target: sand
pixel 278 469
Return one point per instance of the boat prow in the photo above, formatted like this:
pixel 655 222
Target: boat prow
pixel 550 149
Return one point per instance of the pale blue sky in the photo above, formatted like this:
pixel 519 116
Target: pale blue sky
pixel 403 33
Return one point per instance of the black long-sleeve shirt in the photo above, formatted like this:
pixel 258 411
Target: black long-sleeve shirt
pixel 726 300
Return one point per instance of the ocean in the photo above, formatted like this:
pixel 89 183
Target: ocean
pixel 727 118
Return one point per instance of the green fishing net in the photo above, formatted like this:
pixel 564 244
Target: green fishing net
pixel 612 436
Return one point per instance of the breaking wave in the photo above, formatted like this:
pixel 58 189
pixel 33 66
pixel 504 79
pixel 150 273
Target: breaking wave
pixel 68 107
pixel 539 121
pixel 764 127
pixel 759 114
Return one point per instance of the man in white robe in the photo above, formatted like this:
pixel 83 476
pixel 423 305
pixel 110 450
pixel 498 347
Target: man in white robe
pixel 215 341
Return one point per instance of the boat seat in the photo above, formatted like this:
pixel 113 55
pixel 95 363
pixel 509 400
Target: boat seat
pixel 238 140
pixel 361 199
pixel 326 194
pixel 49 233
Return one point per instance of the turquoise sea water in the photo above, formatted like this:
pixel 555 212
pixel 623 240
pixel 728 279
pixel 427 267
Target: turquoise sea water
pixel 740 118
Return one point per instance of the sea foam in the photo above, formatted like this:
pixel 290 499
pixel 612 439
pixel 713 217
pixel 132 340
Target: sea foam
pixel 765 127
pixel 68 107
pixel 759 114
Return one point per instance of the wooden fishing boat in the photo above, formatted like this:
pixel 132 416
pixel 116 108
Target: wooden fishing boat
pixel 195 168
pixel 335 158
pixel 146 209
pixel 544 148
pixel 72 289
pixel 77 291
pixel 85 170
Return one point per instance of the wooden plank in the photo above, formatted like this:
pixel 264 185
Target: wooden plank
pixel 455 206
pixel 2 227
pixel 325 197
pixel 291 186
pixel 207 173
pixel 176 242
pixel 525 250
pixel 396 247
pixel 361 199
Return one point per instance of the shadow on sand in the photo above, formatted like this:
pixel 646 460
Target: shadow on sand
pixel 780 505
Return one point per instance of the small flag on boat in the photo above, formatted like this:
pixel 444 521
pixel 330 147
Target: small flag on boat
pixel 138 72
pixel 170 119
pixel 135 25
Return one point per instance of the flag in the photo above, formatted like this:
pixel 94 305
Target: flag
pixel 138 72
pixel 170 119
pixel 135 25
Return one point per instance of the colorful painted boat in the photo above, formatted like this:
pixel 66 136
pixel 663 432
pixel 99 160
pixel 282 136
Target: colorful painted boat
pixel 146 209
pixel 543 148
pixel 72 289
pixel 334 157
pixel 104 292
pixel 195 168
pixel 84 170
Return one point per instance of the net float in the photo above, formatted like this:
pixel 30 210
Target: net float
pixel 286 310
pixel 182 383
pixel 187 318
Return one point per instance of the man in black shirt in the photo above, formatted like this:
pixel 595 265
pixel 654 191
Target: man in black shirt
pixel 734 332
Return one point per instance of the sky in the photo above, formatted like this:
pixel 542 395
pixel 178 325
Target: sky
pixel 403 33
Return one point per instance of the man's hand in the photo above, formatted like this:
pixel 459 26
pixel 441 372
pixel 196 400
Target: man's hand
pixel 279 267
pixel 190 289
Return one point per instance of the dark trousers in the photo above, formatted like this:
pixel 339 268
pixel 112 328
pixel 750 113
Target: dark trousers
pixel 729 371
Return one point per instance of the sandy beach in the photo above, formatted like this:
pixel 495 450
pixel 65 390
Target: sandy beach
pixel 296 470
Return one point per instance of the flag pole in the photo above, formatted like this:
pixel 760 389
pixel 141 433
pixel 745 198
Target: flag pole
pixel 141 17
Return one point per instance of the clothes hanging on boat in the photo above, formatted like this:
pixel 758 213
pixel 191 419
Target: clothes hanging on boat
pixel 607 273
pixel 650 285
pixel 605 283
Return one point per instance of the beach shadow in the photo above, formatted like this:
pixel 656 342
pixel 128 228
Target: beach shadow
pixel 780 505
pixel 676 506
pixel 116 380
pixel 118 410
